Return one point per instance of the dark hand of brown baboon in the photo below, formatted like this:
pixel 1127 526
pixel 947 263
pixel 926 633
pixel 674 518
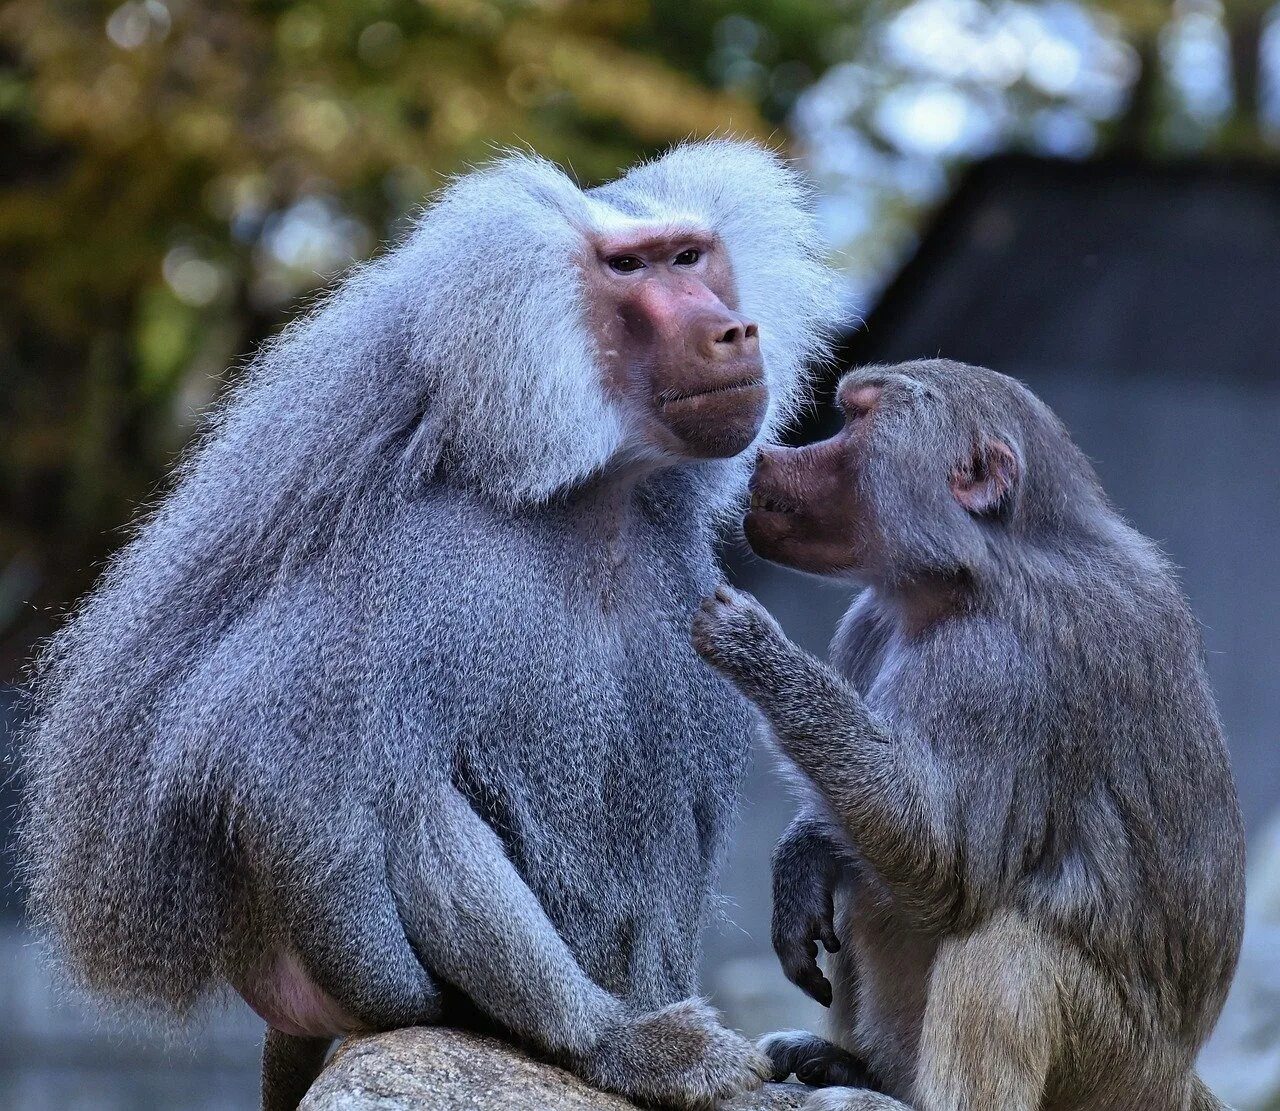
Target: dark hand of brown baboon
pixel 806 873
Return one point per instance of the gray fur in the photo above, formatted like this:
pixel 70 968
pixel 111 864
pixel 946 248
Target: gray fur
pixel 396 679
pixel 1024 810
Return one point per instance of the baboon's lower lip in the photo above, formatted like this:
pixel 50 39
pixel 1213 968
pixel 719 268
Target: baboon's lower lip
pixel 712 391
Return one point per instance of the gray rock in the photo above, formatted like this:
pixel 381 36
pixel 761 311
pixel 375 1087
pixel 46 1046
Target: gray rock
pixel 435 1069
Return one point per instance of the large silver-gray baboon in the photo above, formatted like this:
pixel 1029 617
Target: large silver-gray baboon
pixel 388 714
pixel 1019 832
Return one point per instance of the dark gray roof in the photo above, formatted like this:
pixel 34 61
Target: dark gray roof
pixel 1109 267
pixel 1142 301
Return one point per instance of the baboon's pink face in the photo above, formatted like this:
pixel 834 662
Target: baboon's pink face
pixel 833 508
pixel 662 312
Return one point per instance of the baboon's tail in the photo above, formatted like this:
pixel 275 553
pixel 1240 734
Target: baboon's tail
pixel 290 1066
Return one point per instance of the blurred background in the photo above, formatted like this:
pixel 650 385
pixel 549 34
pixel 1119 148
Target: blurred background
pixel 1085 195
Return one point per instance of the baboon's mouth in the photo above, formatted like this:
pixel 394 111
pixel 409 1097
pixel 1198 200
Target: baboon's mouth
pixel 770 503
pixel 671 399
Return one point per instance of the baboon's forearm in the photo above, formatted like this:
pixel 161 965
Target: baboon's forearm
pixel 882 786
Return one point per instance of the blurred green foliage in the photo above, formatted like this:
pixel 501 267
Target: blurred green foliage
pixel 176 173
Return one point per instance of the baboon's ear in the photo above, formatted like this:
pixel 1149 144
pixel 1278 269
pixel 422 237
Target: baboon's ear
pixel 985 481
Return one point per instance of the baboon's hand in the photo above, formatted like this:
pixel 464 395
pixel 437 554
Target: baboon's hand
pixel 732 631
pixel 679 1057
pixel 803 916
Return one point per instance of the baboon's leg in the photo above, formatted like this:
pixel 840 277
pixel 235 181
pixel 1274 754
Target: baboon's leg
pixel 347 967
pixel 992 1021
pixel 990 1027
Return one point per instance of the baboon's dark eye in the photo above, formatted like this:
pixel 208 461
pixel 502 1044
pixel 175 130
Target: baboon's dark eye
pixel 689 257
pixel 626 264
